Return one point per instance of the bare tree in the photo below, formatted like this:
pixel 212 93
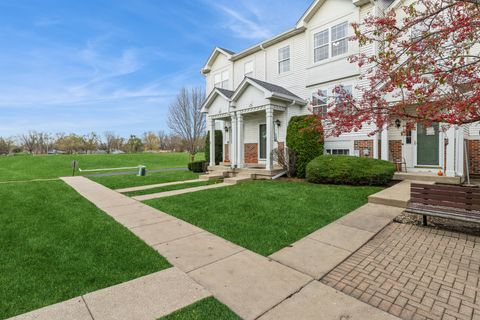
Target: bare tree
pixel 162 140
pixel 113 142
pixel 186 120
pixel 29 141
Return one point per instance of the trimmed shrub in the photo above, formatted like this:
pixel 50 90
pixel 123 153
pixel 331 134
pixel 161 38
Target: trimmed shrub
pixel 198 166
pixel 305 139
pixel 218 147
pixel 350 170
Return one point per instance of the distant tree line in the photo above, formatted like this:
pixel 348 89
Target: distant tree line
pixel 185 120
pixel 38 143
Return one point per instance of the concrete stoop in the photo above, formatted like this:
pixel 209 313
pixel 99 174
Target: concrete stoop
pixel 422 177
pixel 238 179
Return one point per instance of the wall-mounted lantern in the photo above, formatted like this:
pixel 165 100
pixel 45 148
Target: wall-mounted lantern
pixel 398 123
pixel 278 123
pixel 226 129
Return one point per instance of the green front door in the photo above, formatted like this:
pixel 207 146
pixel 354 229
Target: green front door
pixel 428 146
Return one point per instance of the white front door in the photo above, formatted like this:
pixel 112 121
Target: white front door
pixel 408 148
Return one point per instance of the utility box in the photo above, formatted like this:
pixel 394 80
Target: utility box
pixel 142 171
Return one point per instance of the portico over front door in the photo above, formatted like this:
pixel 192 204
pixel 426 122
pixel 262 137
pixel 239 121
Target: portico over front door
pixel 428 145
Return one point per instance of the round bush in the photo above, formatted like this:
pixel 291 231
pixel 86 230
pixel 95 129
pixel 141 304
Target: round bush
pixel 350 170
pixel 305 138
pixel 198 166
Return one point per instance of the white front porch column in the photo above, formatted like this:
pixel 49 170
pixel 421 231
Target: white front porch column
pixel 450 158
pixel 460 152
pixel 385 146
pixel 270 135
pixel 212 142
pixel 240 144
pixel 375 146
pixel 233 155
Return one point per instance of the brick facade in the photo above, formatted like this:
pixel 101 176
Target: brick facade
pixel 395 147
pixel 474 156
pixel 226 154
pixel 251 152
pixel 362 145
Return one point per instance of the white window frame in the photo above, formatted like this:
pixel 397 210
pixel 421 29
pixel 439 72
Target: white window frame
pixel 337 152
pixel 325 45
pixel 331 43
pixel 284 60
pixel 246 72
pixel 221 79
pixel 324 112
pixel 330 97
pixel 337 41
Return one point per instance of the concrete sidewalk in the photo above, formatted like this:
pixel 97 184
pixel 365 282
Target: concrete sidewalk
pixel 251 285
pixel 146 298
pixel 179 192
pixel 158 185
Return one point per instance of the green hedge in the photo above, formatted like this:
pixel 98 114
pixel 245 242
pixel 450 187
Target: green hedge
pixel 305 138
pixel 350 170
pixel 198 166
pixel 218 147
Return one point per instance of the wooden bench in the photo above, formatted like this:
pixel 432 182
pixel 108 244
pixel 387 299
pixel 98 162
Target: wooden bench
pixel 451 202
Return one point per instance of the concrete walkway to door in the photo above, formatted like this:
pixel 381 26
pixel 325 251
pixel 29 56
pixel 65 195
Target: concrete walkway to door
pixel 253 286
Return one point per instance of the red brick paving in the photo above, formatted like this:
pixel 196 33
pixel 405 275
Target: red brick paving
pixel 415 273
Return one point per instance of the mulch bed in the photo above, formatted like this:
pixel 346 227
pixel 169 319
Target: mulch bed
pixel 440 223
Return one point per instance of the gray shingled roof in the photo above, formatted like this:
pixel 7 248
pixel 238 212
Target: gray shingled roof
pixel 226 93
pixel 274 88
pixel 227 51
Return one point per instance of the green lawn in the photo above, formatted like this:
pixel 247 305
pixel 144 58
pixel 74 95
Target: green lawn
pixel 206 309
pixel 55 245
pixel 172 188
pixel 53 166
pixel 265 216
pixel 120 182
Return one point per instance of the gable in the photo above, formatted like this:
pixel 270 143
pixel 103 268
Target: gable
pixel 218 56
pixel 218 106
pixel 251 97
pixel 328 11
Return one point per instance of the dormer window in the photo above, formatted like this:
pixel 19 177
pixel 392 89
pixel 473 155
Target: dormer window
pixel 284 60
pixel 221 80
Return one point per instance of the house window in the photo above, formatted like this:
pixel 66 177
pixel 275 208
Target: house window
pixel 221 80
pixel 345 94
pixel 339 39
pixel 338 152
pixel 248 69
pixel 320 103
pixel 284 60
pixel 320 44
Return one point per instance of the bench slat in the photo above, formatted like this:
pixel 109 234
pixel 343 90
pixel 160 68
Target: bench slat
pixel 445 188
pixel 450 198
pixel 433 202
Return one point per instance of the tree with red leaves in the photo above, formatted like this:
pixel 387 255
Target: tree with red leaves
pixel 426 70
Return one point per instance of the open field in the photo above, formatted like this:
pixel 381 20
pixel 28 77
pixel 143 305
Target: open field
pixel 55 245
pixel 206 309
pixel 54 166
pixel 265 216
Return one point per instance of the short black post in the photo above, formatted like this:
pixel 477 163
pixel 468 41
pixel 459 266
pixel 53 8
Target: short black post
pixel 424 220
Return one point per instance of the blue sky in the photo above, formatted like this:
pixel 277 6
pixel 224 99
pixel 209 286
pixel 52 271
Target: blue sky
pixel 98 65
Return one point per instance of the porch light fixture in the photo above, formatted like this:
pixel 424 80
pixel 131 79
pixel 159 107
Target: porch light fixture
pixel 398 123
pixel 226 128
pixel 278 123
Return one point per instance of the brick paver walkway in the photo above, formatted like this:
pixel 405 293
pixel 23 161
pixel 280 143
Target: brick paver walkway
pixel 415 273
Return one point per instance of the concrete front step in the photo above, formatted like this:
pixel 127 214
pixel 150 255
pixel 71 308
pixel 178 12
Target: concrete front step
pixel 422 177
pixel 211 176
pixel 238 179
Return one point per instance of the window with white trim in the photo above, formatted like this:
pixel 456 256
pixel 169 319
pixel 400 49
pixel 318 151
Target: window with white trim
pixel 339 39
pixel 320 103
pixel 248 69
pixel 338 152
pixel 221 80
pixel 320 45
pixel 284 60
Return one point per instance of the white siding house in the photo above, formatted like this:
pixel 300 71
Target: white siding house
pixel 253 94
